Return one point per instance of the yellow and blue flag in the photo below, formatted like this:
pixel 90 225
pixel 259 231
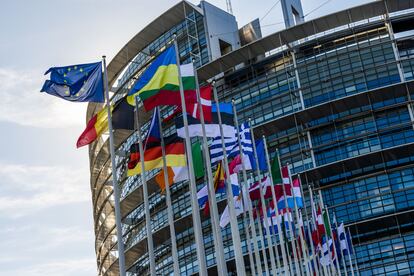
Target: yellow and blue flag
pixel 76 83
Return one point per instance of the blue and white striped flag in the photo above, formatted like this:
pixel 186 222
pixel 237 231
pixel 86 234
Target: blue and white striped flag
pixel 231 143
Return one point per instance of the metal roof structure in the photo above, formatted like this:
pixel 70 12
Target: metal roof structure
pixel 301 31
pixel 152 31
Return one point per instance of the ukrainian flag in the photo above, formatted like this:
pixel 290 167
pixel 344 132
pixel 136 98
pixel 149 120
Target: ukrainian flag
pixel 159 84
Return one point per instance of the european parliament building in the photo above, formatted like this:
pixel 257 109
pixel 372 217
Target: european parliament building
pixel 332 94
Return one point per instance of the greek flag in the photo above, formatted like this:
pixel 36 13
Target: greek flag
pixel 231 143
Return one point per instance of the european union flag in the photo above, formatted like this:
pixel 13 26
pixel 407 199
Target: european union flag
pixel 76 83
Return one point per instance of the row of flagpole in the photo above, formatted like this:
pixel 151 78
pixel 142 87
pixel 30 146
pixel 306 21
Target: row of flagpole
pixel 300 265
pixel 270 251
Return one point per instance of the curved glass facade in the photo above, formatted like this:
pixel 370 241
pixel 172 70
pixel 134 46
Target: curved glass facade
pixel 338 107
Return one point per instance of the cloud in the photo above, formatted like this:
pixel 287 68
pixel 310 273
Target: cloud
pixel 29 189
pixel 23 104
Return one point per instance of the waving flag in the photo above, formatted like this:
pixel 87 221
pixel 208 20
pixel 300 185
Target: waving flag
pixel 232 145
pixel 174 150
pixel 237 199
pixel 213 128
pixel 96 126
pixel 219 187
pixel 343 242
pixel 159 83
pixel 122 118
pixel 254 190
pixel 76 83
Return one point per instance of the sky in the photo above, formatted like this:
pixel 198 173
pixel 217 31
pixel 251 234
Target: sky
pixel 46 221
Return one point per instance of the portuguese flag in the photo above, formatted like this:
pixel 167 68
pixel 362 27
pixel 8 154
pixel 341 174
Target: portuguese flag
pixel 159 83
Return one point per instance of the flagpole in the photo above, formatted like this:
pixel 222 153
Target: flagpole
pixel 238 253
pixel 349 255
pixel 308 229
pixel 212 201
pixel 321 206
pixel 193 187
pixel 333 242
pixel 314 216
pixel 292 241
pixel 297 219
pixel 324 268
pixel 117 206
pixel 250 213
pixel 264 208
pixel 340 249
pixel 272 187
pixel 145 192
pixel 174 250
pixel 246 230
pixel 260 229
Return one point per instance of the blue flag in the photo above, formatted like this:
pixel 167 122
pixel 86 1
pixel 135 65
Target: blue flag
pixel 261 155
pixel 76 83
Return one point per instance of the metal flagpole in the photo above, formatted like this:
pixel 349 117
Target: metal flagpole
pixel 340 249
pixel 262 199
pixel 314 262
pixel 292 231
pixel 120 242
pixel 349 256
pixel 262 240
pixel 297 219
pixel 333 242
pixel 214 214
pixel 168 200
pixel 321 205
pixel 260 229
pixel 315 219
pixel 274 244
pixel 247 200
pixel 279 228
pixel 238 253
pixel 145 192
pixel 193 188
pixel 246 230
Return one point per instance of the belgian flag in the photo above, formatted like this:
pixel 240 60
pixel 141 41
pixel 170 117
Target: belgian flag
pixel 122 118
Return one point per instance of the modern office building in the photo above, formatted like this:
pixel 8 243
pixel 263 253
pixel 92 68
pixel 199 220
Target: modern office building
pixel 332 94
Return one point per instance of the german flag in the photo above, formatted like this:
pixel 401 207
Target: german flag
pixel 174 153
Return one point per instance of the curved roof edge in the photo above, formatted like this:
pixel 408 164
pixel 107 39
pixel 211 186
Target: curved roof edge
pixel 300 31
pixel 152 31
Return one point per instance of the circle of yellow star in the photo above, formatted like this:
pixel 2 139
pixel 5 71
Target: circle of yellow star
pixel 81 69
pixel 67 92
